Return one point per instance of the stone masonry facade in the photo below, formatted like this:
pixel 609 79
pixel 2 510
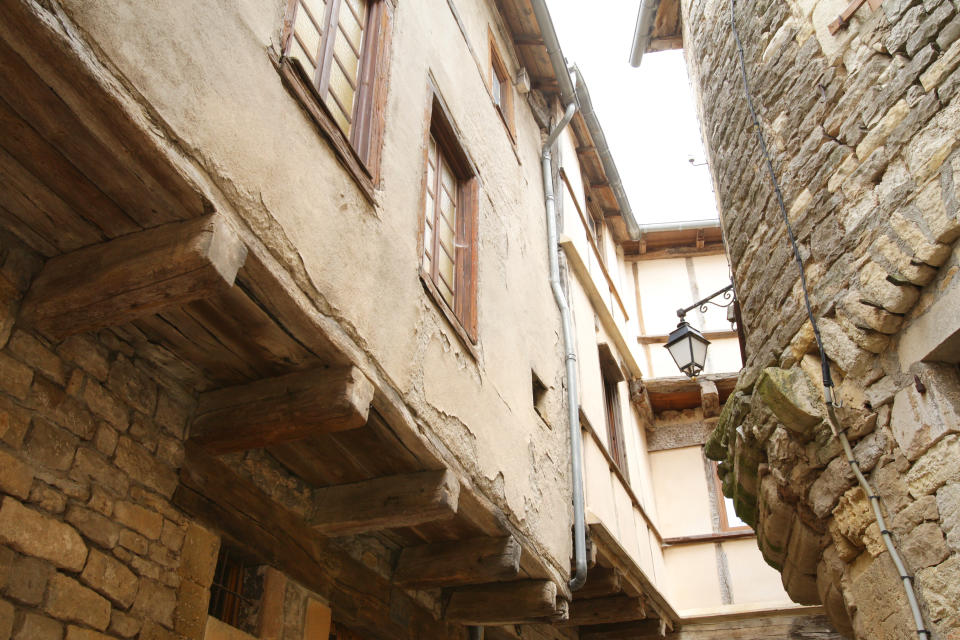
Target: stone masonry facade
pixel 863 131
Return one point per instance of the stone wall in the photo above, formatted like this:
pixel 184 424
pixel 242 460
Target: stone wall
pixel 863 129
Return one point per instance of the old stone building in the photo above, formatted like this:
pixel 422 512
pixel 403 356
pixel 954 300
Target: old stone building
pixel 857 103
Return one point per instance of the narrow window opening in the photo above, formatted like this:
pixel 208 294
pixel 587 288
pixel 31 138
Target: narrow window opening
pixel 236 591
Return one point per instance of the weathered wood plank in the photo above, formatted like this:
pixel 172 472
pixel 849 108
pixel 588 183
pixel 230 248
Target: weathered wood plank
pixel 622 631
pixel 133 276
pixel 385 503
pixel 361 598
pixel 605 611
pixel 601 581
pixel 282 409
pixel 521 602
pixel 465 562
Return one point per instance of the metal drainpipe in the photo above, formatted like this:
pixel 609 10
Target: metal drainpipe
pixel 573 404
pixel 641 32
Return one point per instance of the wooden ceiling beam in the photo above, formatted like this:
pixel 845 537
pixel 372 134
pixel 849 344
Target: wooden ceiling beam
pixel 605 611
pixel 622 631
pixel 388 502
pixel 464 562
pixel 283 409
pixel 136 275
pixel 601 582
pixel 521 602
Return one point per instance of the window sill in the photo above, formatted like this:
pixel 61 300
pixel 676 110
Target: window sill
pixel 296 81
pixel 449 316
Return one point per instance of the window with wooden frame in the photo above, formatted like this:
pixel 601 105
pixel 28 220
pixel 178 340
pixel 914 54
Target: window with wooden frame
pixel 501 88
pixel 236 591
pixel 340 51
pixel 448 224
pixel 612 375
pixel 729 520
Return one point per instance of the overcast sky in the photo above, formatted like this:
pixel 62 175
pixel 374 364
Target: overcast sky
pixel 647 114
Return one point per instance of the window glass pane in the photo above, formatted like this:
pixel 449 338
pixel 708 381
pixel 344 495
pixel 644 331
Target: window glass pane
pixel 340 97
pixel 296 51
pixel 448 180
pixel 317 10
pixel 308 38
pixel 445 269
pixel 497 87
pixel 447 237
pixel 448 208
pixel 351 23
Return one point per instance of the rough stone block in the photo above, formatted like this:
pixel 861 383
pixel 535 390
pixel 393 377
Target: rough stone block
pixel 172 413
pixel 70 601
pixel 35 534
pixel 94 526
pixel 948 505
pixel 937 467
pixel 877 289
pixel 923 509
pixel 31 352
pixel 939 587
pixel 134 542
pixel 172 535
pixel 144 521
pixel 920 420
pixel 16 478
pixel 924 546
pixel 790 395
pixel 110 578
pixel 826 490
pixel 140 464
pixel 16 377
pixel 133 386
pixel 54 404
pixel 198 557
pixel 86 354
pixel 50 445
pixel 842 350
pixel 27 581
pixel 105 405
pixel 123 625
pixel 926 152
pixel 190 615
pixel 155 602
pixel 870 316
pixel 79 633
pixel 38 627
pixel 90 466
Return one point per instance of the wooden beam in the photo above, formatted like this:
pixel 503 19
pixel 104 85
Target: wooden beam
pixel 601 581
pixel 646 252
pixel 136 275
pixel 523 602
pixel 283 409
pixel 215 495
pixel 622 631
pixel 385 503
pixel 605 611
pixel 464 562
pixel 709 399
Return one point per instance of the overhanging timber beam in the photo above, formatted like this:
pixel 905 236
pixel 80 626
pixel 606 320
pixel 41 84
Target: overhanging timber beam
pixel 282 409
pixel 136 275
pixel 709 398
pixel 523 602
pixel 601 581
pixel 605 611
pixel 390 502
pixel 465 562
pixel 622 631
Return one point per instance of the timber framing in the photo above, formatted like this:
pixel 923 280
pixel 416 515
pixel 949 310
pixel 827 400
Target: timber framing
pixel 282 409
pixel 679 392
pixel 528 601
pixel 465 562
pixel 607 610
pixel 385 503
pixel 133 276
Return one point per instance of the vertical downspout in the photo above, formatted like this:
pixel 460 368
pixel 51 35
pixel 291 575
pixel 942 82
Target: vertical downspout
pixel 573 403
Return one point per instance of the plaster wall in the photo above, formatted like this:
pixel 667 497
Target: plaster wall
pixel 205 71
pixel 682 493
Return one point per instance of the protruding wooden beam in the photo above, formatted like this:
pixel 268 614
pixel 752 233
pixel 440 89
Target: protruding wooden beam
pixel 463 562
pixel 605 611
pixel 523 602
pixel 282 409
pixel 385 503
pixel 132 276
pixel 601 581
pixel 709 399
pixel 648 629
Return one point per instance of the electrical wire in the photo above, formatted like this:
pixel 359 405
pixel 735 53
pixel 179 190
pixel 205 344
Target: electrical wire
pixel 829 399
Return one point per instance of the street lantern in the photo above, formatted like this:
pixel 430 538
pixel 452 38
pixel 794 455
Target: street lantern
pixel 688 348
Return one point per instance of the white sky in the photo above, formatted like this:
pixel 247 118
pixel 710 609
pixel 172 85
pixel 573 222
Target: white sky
pixel 647 114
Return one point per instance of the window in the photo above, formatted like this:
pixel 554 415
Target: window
pixel 612 376
pixel 236 591
pixel 501 90
pixel 729 520
pixel 448 263
pixel 339 46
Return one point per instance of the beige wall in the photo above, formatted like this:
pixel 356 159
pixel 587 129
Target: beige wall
pixel 195 63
